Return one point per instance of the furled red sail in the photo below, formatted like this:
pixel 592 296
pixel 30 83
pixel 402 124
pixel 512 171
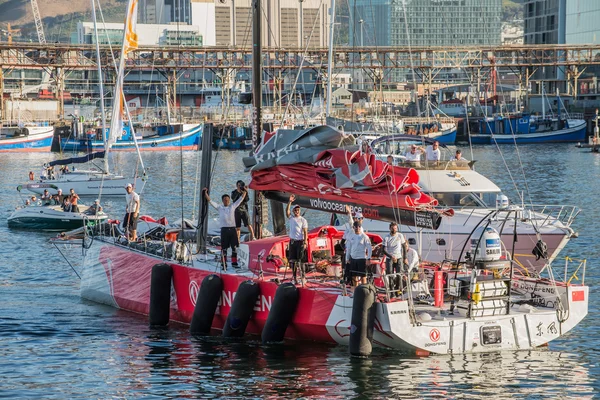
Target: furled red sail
pixel 324 163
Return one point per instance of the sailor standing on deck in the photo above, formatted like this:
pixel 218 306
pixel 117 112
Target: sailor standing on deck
pixel 229 236
pixel 349 230
pixel 395 248
pixel 358 251
pixel 241 213
pixel 298 237
pixel 132 211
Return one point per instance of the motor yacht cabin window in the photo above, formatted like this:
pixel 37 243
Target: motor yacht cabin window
pixel 458 200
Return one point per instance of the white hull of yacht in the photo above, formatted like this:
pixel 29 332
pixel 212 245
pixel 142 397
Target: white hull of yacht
pixel 525 328
pixel 86 184
pixel 449 240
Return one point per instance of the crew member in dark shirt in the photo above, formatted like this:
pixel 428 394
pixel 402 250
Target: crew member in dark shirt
pixel 241 213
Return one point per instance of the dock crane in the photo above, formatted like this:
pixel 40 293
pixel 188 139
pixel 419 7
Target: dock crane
pixel 38 22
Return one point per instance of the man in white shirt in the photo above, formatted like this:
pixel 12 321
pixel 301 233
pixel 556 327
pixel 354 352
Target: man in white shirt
pixel 298 238
pixel 229 237
pixel 358 251
pixel 132 211
pixel 433 152
pixel 414 154
pixel 395 248
pixel 349 230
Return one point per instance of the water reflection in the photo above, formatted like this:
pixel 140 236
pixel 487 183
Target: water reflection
pixel 214 367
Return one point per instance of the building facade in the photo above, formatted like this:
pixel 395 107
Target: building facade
pixel 562 22
pixel 165 11
pixel 286 23
pixel 544 21
pixel 582 22
pixel 427 23
pixel 148 34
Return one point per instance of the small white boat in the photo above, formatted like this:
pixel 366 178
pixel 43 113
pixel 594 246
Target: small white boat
pixel 53 218
pixel 85 182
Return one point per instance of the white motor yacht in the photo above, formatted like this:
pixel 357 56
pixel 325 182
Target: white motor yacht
pixel 474 198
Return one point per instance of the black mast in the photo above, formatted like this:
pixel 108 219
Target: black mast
pixel 257 100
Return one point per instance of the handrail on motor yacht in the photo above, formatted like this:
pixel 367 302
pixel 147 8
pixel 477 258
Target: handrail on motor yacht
pixel 566 214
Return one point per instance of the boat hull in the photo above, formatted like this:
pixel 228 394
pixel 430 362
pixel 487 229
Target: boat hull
pixel 446 137
pixel 87 186
pixel 121 277
pixel 51 219
pixel 187 140
pixel 39 139
pixel 569 135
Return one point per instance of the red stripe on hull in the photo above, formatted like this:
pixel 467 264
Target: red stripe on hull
pixel 129 277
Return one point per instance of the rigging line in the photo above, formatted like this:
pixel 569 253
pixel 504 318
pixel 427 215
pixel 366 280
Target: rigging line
pixel 305 52
pixel 525 182
pixel 501 154
pixel 410 56
pixel 181 175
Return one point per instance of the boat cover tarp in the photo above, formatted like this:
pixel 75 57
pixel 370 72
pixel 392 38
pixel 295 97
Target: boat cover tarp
pixel 325 163
pixel 78 160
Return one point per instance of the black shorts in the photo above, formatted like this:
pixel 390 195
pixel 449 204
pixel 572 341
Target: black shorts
pixel 358 267
pixel 130 221
pixel 229 238
pixel 242 216
pixel 295 250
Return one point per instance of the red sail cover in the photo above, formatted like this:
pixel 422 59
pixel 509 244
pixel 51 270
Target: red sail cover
pixel 324 163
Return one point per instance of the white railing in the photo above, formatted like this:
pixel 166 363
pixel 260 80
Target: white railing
pixel 551 213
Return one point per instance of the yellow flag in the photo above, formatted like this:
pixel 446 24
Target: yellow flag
pixel 131 37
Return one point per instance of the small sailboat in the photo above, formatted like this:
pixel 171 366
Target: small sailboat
pixel 99 181
pixel 85 182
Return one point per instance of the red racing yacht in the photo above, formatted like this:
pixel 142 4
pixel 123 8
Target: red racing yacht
pixel 482 303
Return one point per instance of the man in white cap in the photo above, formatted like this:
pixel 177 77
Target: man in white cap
pixel 132 212
pixel 298 237
pixel 349 230
pixel 358 254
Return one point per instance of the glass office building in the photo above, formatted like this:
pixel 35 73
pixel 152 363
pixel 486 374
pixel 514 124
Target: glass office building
pixel 582 22
pixel 429 22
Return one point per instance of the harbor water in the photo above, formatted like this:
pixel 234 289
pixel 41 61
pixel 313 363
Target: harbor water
pixel 55 345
